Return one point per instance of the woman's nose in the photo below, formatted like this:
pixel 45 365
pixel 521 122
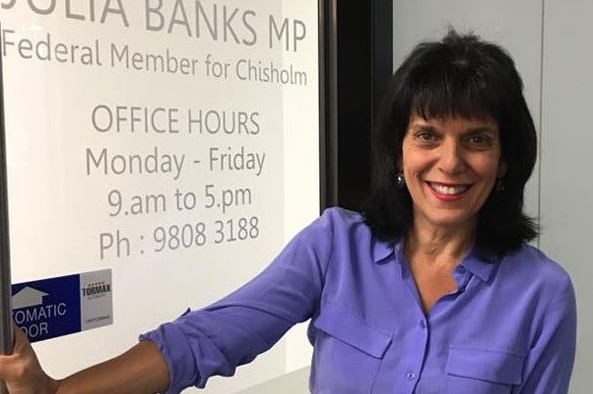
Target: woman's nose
pixel 451 160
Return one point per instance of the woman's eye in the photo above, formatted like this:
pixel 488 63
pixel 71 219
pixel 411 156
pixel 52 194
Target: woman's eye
pixel 480 141
pixel 426 137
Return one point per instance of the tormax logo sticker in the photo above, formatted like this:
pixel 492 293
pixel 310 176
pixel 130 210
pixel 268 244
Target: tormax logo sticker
pixel 53 307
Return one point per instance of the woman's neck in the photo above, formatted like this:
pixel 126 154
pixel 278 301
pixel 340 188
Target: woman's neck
pixel 436 244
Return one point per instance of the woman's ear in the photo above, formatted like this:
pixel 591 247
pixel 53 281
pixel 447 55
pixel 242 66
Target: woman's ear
pixel 399 165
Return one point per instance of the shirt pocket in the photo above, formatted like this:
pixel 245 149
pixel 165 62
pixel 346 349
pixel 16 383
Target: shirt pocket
pixel 483 371
pixel 348 351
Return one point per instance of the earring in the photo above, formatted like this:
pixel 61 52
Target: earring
pixel 400 181
pixel 499 187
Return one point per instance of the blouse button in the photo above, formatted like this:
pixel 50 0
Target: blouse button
pixel 410 375
pixel 422 324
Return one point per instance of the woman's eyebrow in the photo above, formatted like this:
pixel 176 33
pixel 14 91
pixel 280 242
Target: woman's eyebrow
pixel 423 127
pixel 482 129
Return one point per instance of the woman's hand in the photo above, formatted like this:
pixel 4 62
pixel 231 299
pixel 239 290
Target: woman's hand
pixel 142 369
pixel 21 370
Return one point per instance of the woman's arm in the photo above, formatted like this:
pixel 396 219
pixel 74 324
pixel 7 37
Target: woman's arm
pixel 141 369
pixel 212 341
pixel 550 361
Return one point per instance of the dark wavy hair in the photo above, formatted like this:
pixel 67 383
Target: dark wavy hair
pixel 460 76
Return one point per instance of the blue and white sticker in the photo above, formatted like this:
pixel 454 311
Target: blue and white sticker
pixel 53 307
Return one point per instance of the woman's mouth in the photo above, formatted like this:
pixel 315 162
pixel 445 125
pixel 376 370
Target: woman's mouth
pixel 448 190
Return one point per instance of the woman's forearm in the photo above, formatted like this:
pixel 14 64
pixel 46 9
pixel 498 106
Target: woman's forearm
pixel 141 370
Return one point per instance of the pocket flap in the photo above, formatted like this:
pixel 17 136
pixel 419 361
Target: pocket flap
pixel 490 365
pixel 345 325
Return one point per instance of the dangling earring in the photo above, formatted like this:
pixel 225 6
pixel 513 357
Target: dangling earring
pixel 499 187
pixel 400 181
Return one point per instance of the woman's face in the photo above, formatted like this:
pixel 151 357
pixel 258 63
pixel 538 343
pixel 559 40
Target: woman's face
pixel 450 166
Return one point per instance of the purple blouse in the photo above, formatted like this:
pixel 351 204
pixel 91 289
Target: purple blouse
pixel 510 327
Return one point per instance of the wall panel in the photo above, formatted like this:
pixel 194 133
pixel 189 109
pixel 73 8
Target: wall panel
pixel 567 143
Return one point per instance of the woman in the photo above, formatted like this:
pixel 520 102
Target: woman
pixel 431 290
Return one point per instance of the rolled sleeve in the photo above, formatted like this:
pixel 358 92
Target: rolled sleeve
pixel 233 331
pixel 172 344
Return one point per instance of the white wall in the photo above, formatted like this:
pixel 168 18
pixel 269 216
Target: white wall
pixel 567 140
pixel 550 44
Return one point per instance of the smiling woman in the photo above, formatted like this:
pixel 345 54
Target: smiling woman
pixel 432 289
pixel 453 150
pixel 450 166
pixel 461 79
